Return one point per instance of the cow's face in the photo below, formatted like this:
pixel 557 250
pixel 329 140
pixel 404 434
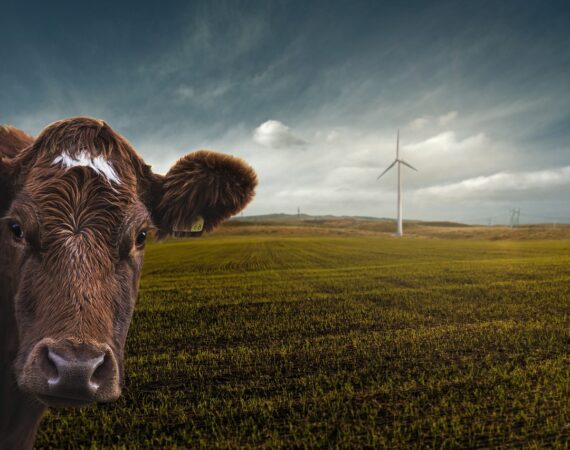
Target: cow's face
pixel 81 207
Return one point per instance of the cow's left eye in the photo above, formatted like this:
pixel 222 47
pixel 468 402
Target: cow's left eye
pixel 141 238
pixel 17 231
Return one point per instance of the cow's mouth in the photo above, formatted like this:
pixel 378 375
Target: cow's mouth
pixel 63 402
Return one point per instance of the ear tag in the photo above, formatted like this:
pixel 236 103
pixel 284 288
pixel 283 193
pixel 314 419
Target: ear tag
pixel 198 225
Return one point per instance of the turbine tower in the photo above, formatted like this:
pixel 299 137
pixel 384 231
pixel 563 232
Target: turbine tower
pixel 399 162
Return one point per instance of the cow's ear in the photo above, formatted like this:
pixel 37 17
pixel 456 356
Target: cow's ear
pixel 6 184
pixel 12 141
pixel 212 185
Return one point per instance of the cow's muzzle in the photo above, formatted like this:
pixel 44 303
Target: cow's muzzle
pixel 71 372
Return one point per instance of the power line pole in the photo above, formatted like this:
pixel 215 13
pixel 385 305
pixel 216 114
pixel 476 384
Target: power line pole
pixel 515 217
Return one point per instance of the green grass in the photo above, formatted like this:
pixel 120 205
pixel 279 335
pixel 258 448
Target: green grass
pixel 341 341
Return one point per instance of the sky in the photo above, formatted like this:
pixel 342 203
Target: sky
pixel 312 93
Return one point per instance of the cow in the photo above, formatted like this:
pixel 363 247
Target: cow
pixel 76 206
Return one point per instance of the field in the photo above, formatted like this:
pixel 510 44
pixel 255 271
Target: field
pixel 293 340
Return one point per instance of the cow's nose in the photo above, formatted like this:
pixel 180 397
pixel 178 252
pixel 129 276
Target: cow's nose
pixel 79 376
pixel 68 373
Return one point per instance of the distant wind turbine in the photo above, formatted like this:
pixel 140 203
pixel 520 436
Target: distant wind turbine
pixel 399 228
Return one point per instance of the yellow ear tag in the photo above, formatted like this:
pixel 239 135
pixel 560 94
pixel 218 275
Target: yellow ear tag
pixel 197 225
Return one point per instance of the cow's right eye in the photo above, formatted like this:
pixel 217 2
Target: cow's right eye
pixel 141 239
pixel 17 231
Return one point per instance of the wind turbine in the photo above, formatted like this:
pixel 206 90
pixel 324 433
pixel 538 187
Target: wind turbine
pixel 399 229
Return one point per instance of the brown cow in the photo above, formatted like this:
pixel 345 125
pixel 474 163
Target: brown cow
pixel 76 205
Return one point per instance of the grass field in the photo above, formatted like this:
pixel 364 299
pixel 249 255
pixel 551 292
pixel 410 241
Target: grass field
pixel 313 341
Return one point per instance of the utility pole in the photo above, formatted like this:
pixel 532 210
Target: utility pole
pixel 515 217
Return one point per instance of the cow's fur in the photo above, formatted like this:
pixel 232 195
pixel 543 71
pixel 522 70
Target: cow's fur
pixel 73 279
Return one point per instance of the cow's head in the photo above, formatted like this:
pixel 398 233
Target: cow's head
pixel 77 206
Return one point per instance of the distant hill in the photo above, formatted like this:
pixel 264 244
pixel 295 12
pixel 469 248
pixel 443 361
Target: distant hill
pixel 299 217
pixel 281 217
pixel 330 225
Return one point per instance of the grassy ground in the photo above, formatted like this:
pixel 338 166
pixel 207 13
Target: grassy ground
pixel 276 341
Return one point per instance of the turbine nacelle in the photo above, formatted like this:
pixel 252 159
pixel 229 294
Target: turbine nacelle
pixel 396 161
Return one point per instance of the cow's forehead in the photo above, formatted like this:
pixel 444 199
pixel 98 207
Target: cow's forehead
pixel 75 195
pixel 100 164
pixel 113 167
pixel 85 142
pixel 80 173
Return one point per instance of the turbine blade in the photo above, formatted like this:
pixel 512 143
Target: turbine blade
pixel 389 167
pixel 406 164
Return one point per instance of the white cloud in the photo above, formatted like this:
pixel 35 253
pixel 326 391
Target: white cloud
pixel 206 97
pixel 328 135
pixel 501 182
pixel 332 136
pixel 448 142
pixel 447 157
pixel 185 92
pixel 447 118
pixel 275 134
pixel 419 123
pixel 422 122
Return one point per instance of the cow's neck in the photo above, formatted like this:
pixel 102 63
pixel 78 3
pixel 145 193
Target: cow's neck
pixel 20 414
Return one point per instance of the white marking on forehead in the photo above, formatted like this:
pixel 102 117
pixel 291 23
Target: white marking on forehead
pixel 99 164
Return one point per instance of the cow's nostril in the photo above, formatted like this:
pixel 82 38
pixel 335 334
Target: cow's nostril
pixel 103 371
pixel 48 366
pixel 71 371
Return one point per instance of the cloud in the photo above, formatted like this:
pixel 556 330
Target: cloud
pixel 208 96
pixel 447 118
pixel 274 134
pixel 500 183
pixel 448 157
pixel 332 136
pixel 448 142
pixel 185 92
pixel 443 120
pixel 419 123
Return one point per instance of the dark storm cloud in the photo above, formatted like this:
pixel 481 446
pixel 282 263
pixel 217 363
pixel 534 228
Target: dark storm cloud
pixel 486 81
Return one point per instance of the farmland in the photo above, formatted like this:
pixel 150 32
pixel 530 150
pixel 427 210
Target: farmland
pixel 294 339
